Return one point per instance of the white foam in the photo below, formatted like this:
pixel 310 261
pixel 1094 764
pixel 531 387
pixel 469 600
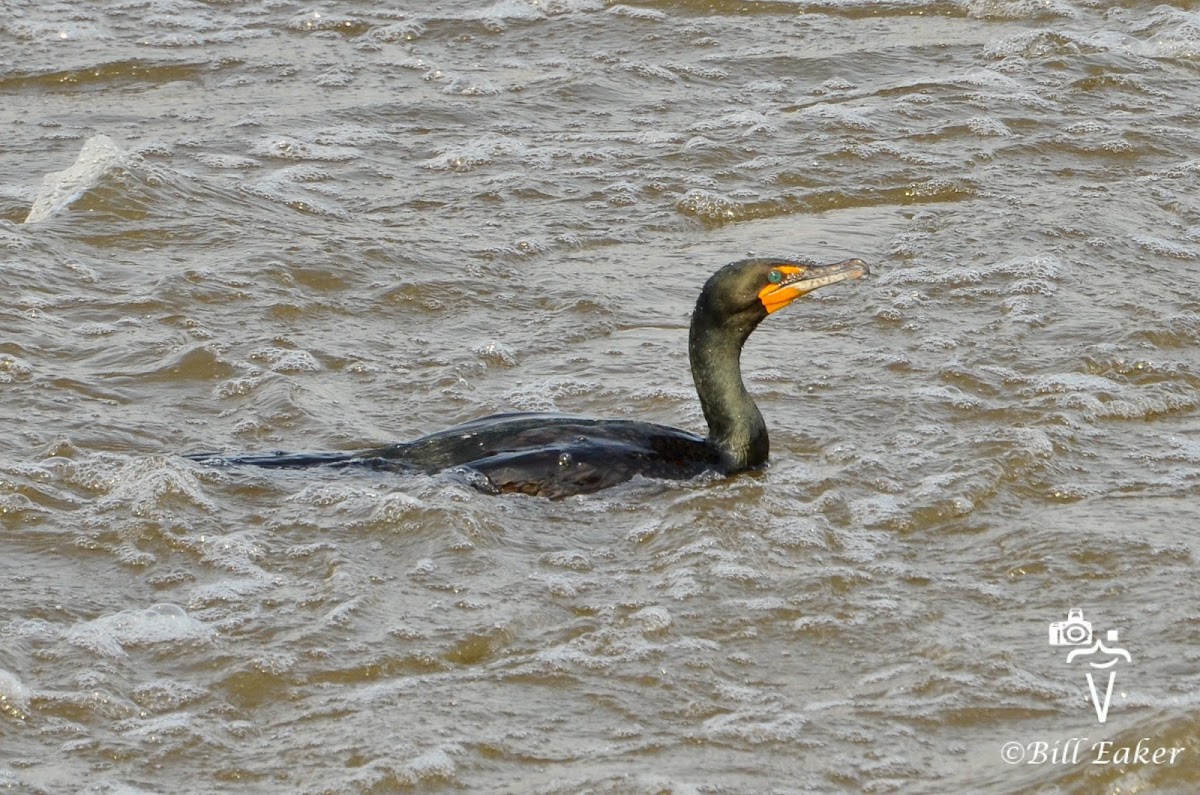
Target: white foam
pixel 652 619
pixel 14 696
pixel 60 189
pixel 157 624
pixel 14 369
pixel 287 360
pixel 147 484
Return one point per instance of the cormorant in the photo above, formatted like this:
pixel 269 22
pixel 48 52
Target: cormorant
pixel 557 455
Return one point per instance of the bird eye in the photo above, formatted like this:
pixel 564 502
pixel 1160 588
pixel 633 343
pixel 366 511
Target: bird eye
pixel 775 277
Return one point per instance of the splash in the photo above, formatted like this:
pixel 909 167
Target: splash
pixel 61 189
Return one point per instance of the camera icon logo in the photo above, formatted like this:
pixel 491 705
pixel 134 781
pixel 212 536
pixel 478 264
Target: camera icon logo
pixel 1075 631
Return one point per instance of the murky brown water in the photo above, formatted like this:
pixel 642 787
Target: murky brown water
pixel 309 227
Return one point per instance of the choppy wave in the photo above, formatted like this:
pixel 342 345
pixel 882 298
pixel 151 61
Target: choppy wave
pixel 257 227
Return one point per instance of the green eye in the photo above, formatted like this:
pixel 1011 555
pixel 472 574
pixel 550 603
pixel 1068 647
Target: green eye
pixel 775 277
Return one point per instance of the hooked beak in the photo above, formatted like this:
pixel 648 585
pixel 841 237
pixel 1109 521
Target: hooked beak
pixel 801 280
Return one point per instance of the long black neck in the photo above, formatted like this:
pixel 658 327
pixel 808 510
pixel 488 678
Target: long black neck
pixel 735 426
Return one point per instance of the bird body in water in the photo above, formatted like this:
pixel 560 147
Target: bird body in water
pixel 556 455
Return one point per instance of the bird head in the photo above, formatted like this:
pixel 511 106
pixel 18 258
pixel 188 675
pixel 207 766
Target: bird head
pixel 754 288
pixel 787 281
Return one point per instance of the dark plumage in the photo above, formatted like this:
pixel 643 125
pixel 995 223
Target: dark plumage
pixel 555 455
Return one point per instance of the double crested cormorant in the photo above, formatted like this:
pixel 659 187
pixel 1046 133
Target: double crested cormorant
pixel 556 455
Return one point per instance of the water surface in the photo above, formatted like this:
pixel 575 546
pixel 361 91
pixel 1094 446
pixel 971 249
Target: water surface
pixel 271 225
